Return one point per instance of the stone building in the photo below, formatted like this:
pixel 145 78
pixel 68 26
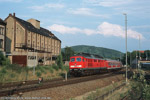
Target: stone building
pixel 2 35
pixel 29 44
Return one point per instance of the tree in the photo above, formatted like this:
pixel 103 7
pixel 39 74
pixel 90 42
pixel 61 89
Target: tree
pixel 147 54
pixel 68 52
pixel 123 60
pixel 3 59
pixel 59 61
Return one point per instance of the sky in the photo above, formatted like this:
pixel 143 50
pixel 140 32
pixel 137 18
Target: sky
pixel 98 23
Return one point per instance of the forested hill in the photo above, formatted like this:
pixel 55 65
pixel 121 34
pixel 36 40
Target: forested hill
pixel 104 52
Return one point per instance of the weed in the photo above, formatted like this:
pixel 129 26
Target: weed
pixel 38 74
pixel 55 67
pixel 12 75
pixel 3 71
pixel 51 70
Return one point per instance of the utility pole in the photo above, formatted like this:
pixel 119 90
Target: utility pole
pixel 139 53
pixel 136 60
pixel 130 59
pixel 139 49
pixel 126 42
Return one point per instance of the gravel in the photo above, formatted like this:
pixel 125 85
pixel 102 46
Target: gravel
pixel 70 91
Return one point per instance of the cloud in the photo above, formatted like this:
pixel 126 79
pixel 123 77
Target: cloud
pixel 64 29
pixel 46 7
pixel 10 0
pixel 108 3
pixel 85 11
pixel 106 29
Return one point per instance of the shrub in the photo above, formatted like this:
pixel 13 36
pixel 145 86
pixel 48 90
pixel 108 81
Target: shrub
pixel 59 61
pixel 66 68
pixel 4 60
pixel 55 67
pixel 40 68
pixel 12 75
pixel 51 70
pixel 15 67
pixel 38 74
pixel 3 71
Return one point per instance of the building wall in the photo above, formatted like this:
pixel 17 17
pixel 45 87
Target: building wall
pixel 19 35
pixel 33 39
pixel 29 36
pixel 2 37
pixel 10 35
pixel 38 46
pixel 38 41
pixel 49 44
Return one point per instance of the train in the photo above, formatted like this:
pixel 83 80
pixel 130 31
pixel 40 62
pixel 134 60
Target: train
pixel 87 64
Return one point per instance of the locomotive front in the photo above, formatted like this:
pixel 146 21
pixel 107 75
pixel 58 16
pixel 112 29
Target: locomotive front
pixel 76 65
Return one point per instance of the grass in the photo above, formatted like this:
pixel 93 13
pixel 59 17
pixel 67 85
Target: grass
pixel 13 72
pixel 99 92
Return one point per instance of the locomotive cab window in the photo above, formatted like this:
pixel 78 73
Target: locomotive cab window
pixel 83 60
pixel 72 59
pixel 78 59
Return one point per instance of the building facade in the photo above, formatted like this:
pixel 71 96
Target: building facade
pixel 2 36
pixel 29 44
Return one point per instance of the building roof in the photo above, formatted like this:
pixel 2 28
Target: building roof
pixel 2 22
pixel 41 31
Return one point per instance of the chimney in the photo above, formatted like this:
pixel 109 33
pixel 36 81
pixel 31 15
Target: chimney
pixel 10 14
pixel 34 22
pixel 14 14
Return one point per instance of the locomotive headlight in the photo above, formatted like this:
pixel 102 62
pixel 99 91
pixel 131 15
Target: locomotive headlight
pixel 71 66
pixel 79 65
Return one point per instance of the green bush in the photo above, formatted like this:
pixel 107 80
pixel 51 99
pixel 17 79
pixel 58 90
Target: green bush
pixel 38 74
pixel 12 75
pixel 140 88
pixel 3 71
pixel 66 68
pixel 59 61
pixel 146 92
pixel 4 60
pixel 41 68
pixel 51 70
pixel 55 67
pixel 15 67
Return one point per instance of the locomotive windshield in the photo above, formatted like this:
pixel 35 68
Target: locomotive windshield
pixel 72 59
pixel 78 59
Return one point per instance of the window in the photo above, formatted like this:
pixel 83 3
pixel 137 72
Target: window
pixel 72 59
pixel 1 43
pixel 1 31
pixel 78 59
pixel 95 60
pixel 83 60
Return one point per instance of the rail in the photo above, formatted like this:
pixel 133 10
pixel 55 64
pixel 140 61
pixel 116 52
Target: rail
pixel 51 84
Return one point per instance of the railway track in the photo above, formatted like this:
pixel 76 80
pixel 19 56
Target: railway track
pixel 25 83
pixel 33 85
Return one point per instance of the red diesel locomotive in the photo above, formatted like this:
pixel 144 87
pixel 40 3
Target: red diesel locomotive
pixel 84 63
